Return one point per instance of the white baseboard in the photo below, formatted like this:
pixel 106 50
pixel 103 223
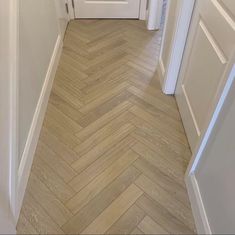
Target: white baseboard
pixel 197 205
pixel 34 132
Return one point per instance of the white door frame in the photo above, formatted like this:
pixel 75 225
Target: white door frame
pixel 154 14
pixel 169 73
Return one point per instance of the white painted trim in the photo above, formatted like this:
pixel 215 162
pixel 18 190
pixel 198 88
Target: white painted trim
pixel 169 81
pixel 154 14
pixel 14 102
pixel 160 66
pixel 71 10
pixel 143 10
pixel 197 205
pixel 199 213
pixel 8 47
pixel 31 143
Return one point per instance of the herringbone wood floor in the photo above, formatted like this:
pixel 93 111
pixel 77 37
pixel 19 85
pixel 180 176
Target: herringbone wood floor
pixel 112 152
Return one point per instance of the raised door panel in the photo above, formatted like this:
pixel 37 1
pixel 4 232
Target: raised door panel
pixel 206 61
pixel 205 68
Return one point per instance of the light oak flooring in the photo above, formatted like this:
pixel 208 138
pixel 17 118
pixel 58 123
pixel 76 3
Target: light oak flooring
pixel 112 152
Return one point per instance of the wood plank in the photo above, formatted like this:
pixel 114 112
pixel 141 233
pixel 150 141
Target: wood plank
pixel 85 177
pixel 128 221
pixel 105 96
pixel 112 213
pixel 160 178
pixel 101 181
pixel 95 206
pixel 162 216
pixel 56 163
pixel 83 162
pixel 62 150
pixel 101 134
pixel 166 200
pixel 48 201
pixel 46 174
pixel 160 162
pixel 24 226
pixel 39 219
pixel 99 123
pixel 149 226
pixel 137 231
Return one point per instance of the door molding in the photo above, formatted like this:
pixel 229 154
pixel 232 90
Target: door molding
pixel 153 14
pixel 168 73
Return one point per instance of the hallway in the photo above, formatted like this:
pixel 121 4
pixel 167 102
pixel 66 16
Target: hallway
pixel 112 152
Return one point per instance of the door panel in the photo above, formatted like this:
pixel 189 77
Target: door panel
pixel 107 8
pixel 208 52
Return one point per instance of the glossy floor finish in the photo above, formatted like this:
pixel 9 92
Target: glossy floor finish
pixel 112 152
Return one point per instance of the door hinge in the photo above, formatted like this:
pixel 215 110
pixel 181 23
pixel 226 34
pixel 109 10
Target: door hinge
pixel 67 8
pixel 73 4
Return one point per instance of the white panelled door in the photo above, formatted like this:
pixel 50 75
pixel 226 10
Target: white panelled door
pixel 208 59
pixel 106 8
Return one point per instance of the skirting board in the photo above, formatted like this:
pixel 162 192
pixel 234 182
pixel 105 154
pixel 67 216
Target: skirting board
pixel 197 205
pixel 34 132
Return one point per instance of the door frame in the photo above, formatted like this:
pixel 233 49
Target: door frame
pixel 153 14
pixel 169 73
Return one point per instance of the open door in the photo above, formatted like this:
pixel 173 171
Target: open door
pixel 106 8
pixel 206 63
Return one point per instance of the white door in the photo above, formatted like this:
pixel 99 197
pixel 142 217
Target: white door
pixel 106 8
pixel 206 64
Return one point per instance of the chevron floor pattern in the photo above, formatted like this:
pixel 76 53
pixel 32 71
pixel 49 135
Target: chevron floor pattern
pixel 112 152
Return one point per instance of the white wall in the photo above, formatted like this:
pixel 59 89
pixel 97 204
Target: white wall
pixel 40 44
pixel 38 30
pixel 215 173
pixel 6 218
pixel 30 47
pixel 63 16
